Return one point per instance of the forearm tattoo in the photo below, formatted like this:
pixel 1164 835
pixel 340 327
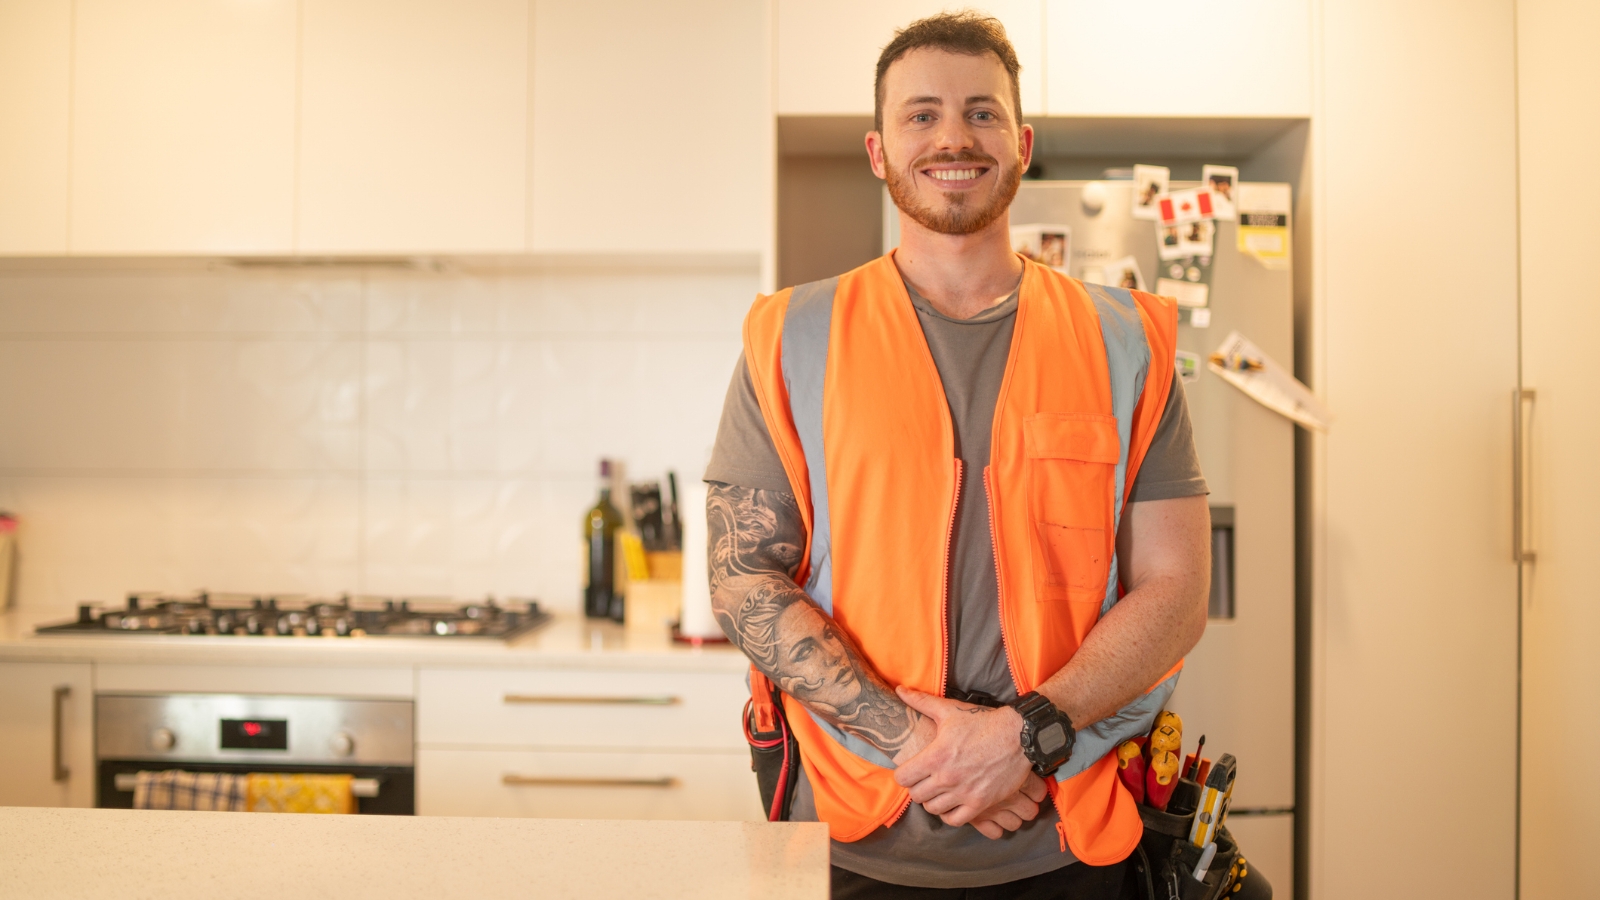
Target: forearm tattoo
pixel 756 539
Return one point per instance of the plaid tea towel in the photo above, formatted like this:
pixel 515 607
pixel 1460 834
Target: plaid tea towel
pixel 177 789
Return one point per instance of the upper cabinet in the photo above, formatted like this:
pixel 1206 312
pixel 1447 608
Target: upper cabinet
pixel 653 127
pixel 413 126
pixel 828 50
pixel 183 120
pixel 35 91
pixel 1178 58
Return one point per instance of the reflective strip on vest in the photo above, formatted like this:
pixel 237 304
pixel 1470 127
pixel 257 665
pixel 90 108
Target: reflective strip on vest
pixel 807 329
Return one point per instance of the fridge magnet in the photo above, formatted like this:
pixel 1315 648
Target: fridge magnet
pixel 1124 273
pixel 1264 223
pixel 1169 241
pixel 1222 182
pixel 1183 207
pixel 1050 245
pixel 1188 366
pixel 1149 186
pixel 1200 317
pixel 1242 364
pixel 1186 280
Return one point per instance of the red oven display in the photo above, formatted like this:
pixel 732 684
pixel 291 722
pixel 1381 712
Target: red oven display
pixel 255 734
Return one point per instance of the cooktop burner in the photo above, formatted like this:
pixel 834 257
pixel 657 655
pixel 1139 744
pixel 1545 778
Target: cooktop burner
pixel 241 614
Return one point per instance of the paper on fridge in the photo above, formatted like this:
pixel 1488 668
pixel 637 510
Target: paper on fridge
pixel 1183 207
pixel 1050 245
pixel 1149 186
pixel 1194 239
pixel 1264 223
pixel 1243 365
pixel 1188 365
pixel 1124 273
pixel 1223 183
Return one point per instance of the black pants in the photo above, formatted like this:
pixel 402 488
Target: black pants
pixel 1072 882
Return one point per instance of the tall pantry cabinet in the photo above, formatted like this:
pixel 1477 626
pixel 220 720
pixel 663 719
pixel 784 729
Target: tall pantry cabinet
pixel 1558 77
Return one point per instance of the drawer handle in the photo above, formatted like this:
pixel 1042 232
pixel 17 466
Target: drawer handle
pixel 665 781
pixel 58 766
pixel 577 701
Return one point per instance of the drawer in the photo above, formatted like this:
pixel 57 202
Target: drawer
pixel 564 784
pixel 570 708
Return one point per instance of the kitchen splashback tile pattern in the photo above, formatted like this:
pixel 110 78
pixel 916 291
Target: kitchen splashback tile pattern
pixel 318 431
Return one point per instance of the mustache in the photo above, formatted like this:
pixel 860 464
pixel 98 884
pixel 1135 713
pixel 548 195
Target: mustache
pixel 965 156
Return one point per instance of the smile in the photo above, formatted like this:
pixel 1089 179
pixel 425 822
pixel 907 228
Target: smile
pixel 955 174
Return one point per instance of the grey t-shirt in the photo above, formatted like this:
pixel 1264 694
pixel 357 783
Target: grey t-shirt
pixel 970 355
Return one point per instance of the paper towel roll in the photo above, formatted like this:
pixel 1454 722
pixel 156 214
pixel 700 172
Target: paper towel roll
pixel 697 620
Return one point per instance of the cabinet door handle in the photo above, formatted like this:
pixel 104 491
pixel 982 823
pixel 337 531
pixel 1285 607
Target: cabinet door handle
pixel 1522 550
pixel 511 780
pixel 578 701
pixel 57 760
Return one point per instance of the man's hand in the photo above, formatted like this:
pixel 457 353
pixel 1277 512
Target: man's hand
pixel 973 765
pixel 1023 806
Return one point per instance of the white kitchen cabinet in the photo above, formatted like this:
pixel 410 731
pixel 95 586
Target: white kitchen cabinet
pixel 1178 58
pixel 652 128
pixel 183 123
pixel 828 50
pixel 588 784
pixel 46 734
pixel 414 127
pixel 535 708
pixel 35 84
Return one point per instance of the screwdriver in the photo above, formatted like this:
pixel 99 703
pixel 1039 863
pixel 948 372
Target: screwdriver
pixel 1166 740
pixel 1131 768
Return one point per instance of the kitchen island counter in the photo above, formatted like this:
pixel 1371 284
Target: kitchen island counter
pixel 177 855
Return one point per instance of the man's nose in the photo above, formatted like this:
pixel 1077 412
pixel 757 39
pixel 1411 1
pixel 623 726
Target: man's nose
pixel 954 134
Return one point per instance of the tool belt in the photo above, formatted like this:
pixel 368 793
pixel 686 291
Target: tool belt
pixel 774 752
pixel 1165 861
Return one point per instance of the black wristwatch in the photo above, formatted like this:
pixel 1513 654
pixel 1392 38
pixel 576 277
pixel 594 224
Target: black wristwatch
pixel 1047 735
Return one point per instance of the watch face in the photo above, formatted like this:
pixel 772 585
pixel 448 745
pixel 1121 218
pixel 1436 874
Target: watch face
pixel 1051 738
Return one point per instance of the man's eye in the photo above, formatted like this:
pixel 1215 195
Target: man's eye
pixel 922 117
pixel 983 115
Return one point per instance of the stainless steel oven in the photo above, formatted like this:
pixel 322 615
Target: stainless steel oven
pixel 371 740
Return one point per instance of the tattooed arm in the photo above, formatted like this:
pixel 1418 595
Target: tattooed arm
pixel 756 540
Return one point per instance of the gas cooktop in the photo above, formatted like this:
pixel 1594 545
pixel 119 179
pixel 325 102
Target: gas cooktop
pixel 298 616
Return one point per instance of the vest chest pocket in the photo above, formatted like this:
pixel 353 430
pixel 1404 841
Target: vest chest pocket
pixel 1072 460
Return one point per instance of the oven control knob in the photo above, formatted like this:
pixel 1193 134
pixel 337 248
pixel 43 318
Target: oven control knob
pixel 163 739
pixel 343 744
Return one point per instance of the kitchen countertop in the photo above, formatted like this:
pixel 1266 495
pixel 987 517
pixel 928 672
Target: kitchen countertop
pixel 568 641
pixel 176 855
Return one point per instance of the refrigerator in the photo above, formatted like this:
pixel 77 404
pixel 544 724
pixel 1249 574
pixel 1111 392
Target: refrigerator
pixel 1237 686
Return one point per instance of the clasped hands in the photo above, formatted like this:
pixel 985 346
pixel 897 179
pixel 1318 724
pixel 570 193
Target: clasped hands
pixel 964 764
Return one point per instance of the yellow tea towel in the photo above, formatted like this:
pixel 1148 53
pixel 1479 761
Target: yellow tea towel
pixel 177 789
pixel 298 793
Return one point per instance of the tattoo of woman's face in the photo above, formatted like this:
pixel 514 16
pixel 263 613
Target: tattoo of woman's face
pixel 818 665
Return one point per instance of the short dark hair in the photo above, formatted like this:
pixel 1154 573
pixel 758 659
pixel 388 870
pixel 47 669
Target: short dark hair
pixel 965 32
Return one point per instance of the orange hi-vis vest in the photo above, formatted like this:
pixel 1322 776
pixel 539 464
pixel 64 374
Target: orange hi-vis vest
pixel 855 406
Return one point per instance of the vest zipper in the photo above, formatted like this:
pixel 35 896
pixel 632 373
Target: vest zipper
pixel 944 600
pixel 1011 664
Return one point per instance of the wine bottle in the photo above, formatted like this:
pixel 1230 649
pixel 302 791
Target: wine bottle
pixel 601 599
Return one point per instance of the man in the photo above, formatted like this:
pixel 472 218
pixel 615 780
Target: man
pixel 981 472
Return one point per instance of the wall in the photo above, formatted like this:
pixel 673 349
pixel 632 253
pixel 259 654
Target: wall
pixel 326 430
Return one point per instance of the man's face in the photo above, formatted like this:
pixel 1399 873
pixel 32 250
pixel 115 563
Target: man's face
pixel 951 149
pixel 816 665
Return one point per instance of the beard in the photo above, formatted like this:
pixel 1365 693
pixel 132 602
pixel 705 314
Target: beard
pixel 960 213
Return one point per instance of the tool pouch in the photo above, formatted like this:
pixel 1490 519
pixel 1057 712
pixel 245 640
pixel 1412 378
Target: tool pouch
pixel 1166 859
pixel 774 753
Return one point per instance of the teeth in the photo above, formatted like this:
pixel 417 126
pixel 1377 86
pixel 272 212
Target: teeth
pixel 955 174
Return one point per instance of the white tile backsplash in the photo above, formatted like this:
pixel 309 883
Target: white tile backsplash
pixel 323 431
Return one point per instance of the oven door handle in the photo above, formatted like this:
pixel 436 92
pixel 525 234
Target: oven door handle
pixel 359 787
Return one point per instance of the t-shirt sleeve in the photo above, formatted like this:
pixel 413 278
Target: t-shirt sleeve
pixel 1171 469
pixel 744 454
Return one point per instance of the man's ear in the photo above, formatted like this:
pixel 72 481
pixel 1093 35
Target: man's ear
pixel 1025 146
pixel 874 141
